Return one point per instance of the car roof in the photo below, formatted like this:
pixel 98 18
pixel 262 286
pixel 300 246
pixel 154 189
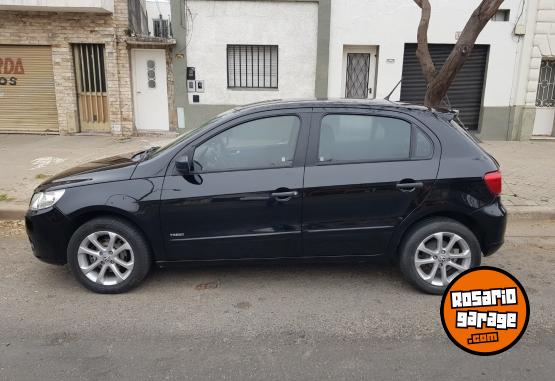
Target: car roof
pixel 328 102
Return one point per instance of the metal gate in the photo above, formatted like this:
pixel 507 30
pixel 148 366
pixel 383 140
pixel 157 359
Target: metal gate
pixel 91 87
pixel 27 92
pixel 465 93
pixel 358 69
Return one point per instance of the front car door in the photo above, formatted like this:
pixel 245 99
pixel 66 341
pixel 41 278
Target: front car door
pixel 244 199
pixel 365 172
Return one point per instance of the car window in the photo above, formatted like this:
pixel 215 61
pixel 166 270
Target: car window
pixel 363 138
pixel 261 143
pixel 423 147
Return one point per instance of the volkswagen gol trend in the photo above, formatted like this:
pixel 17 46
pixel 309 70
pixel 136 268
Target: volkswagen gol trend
pixel 281 181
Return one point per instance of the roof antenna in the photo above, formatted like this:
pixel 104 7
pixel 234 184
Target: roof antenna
pixel 392 91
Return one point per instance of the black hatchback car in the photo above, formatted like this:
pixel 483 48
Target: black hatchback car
pixel 281 181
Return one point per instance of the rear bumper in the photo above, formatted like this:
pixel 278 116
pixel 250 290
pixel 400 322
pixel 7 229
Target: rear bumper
pixel 492 220
pixel 46 230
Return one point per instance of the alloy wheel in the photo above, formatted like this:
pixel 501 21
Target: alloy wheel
pixel 105 258
pixel 440 257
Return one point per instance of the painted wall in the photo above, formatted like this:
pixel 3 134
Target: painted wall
pixel 392 23
pixel 290 25
pixel 155 8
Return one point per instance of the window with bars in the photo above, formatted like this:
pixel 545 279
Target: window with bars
pixel 545 95
pixel 161 28
pixel 252 66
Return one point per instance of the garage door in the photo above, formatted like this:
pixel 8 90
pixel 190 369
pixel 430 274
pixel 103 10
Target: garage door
pixel 466 91
pixel 27 99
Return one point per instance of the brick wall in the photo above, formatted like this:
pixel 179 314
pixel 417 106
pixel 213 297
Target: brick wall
pixel 60 30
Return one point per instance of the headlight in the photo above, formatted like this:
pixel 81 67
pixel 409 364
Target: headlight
pixel 43 200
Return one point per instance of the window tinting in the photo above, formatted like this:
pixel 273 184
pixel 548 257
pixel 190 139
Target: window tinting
pixel 423 148
pixel 363 138
pixel 262 143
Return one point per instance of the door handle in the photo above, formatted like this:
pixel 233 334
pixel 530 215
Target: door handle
pixel 409 187
pixel 284 196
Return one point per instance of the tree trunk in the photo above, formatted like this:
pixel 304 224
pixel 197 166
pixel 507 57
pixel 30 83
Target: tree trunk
pixel 438 82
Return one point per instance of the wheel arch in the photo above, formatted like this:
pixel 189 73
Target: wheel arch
pixel 107 212
pixel 462 218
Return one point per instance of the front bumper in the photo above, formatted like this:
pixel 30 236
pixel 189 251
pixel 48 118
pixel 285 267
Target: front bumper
pixel 48 233
pixel 492 220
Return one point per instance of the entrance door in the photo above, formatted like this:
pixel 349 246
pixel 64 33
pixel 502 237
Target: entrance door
pixel 359 65
pixel 91 87
pixel 545 99
pixel 151 91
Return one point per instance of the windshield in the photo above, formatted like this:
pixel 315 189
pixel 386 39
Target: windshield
pixel 187 134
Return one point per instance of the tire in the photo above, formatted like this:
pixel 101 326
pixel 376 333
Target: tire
pixel 464 254
pixel 131 262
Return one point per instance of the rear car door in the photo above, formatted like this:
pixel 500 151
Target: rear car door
pixel 366 171
pixel 243 200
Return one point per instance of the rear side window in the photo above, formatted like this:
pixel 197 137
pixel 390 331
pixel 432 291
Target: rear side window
pixel 423 148
pixel 346 138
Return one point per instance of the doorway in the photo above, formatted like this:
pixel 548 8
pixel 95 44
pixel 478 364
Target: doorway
pixel 359 72
pixel 150 89
pixel 92 97
pixel 545 99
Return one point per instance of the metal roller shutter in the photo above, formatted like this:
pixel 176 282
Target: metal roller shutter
pixel 466 91
pixel 27 97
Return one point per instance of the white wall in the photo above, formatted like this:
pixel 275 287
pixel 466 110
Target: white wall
pixel 290 25
pixel 390 24
pixel 154 8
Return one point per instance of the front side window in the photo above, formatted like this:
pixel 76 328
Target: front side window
pixel 258 144
pixel 360 138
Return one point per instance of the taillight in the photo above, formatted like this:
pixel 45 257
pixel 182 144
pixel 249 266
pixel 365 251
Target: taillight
pixel 493 181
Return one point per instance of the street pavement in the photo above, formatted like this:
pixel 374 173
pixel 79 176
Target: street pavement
pixel 274 322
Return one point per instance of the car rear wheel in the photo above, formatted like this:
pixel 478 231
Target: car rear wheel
pixel 436 251
pixel 108 256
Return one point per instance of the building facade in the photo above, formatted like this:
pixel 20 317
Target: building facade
pixel 78 67
pixel 355 49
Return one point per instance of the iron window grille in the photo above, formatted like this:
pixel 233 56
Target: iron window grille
pixel 161 28
pixel 252 66
pixel 545 96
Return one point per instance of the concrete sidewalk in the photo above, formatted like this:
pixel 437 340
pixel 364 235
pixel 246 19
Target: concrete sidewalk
pixel 27 160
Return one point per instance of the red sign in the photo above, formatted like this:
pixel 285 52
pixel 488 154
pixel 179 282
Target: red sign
pixel 11 66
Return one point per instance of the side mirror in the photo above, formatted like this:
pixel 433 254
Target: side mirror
pixel 182 165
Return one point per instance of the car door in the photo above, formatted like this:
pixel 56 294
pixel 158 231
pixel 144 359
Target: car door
pixel 243 199
pixel 366 171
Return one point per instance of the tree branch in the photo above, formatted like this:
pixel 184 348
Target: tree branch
pixel 437 88
pixel 422 51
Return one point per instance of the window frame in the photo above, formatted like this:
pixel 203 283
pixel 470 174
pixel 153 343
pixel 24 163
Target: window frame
pixel 261 88
pixel 298 152
pixel 313 158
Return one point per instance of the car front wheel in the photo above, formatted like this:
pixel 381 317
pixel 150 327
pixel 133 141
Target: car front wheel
pixel 437 250
pixel 108 256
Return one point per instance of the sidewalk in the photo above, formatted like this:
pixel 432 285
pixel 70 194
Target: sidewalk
pixel 27 160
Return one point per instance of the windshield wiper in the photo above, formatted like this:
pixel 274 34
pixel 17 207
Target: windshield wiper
pixel 143 155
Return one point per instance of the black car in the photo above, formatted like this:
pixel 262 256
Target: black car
pixel 281 181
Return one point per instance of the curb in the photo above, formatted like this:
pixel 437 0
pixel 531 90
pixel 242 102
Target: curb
pixel 515 213
pixel 12 213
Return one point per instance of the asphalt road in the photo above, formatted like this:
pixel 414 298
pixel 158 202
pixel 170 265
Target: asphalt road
pixel 260 322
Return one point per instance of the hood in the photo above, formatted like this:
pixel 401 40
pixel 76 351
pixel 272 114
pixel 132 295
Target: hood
pixel 108 169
